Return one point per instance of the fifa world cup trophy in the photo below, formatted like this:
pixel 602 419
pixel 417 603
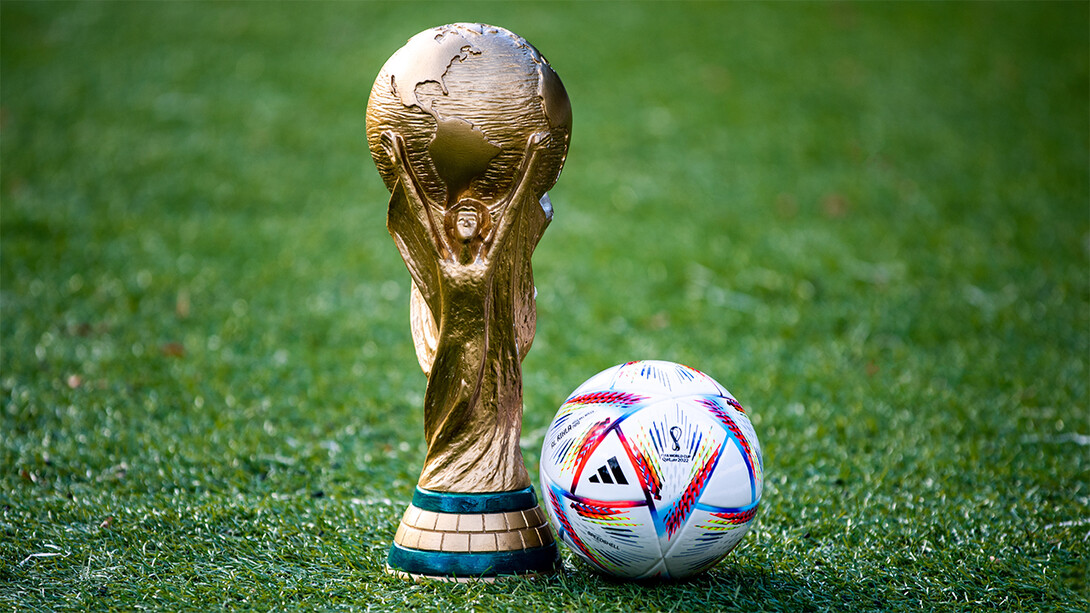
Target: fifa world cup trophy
pixel 469 127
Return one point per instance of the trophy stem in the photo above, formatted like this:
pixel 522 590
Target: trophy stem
pixel 451 536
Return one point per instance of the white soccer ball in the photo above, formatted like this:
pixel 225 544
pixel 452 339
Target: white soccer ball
pixel 651 469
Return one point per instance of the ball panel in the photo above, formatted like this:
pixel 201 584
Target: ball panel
pixel 574 431
pixel 731 486
pixel 707 538
pixel 661 476
pixel 678 444
pixel 583 438
pixel 733 418
pixel 607 473
pixel 579 427
pixel 614 536
pixel 666 378
pixel 755 457
pixel 655 572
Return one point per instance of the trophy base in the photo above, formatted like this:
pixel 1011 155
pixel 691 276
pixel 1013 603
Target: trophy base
pixel 465 537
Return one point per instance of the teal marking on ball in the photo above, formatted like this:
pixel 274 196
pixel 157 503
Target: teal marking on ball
pixel 493 502
pixel 544 559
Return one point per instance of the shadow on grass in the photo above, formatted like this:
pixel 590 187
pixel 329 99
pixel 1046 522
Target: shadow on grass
pixel 740 588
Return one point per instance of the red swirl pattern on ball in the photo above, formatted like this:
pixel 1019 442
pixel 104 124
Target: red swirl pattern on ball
pixel 595 512
pixel 569 531
pixel 590 442
pixel 680 511
pixel 728 422
pixel 650 480
pixel 740 517
pixel 622 399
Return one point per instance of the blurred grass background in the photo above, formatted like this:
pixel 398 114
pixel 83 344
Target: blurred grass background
pixel 870 222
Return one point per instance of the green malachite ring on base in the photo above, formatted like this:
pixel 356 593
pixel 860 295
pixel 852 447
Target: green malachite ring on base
pixel 465 537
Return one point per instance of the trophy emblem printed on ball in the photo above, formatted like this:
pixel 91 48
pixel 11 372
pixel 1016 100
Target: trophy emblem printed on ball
pixel 469 127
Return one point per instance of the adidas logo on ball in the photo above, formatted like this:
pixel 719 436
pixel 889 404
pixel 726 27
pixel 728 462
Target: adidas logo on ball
pixel 603 474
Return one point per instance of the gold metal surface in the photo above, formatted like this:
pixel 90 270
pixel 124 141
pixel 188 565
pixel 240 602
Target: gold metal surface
pixel 412 517
pixel 535 517
pixel 469 127
pixel 472 522
pixel 531 538
pixel 495 522
pixel 513 540
pixel 455 542
pixel 516 521
pixel 510 541
pixel 430 541
pixel 446 522
pixel 482 541
pixel 473 532
pixel 408 537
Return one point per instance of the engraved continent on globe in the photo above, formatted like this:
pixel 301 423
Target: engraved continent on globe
pixel 465 98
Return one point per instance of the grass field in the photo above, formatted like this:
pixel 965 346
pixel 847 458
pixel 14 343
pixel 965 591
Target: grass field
pixel 870 222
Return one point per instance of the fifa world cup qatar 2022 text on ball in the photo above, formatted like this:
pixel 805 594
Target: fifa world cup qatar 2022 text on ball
pixel 651 469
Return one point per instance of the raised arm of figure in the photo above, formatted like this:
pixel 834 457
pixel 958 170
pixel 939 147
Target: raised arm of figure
pixel 422 207
pixel 511 206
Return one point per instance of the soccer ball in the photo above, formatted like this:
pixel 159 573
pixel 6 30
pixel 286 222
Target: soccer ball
pixel 651 469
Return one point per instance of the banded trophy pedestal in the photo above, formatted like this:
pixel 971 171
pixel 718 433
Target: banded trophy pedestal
pixel 464 537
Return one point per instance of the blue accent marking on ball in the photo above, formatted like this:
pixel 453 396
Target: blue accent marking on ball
pixel 694 442
pixel 563 451
pixel 741 450
pixel 656 436
pixel 749 464
pixel 714 509
pixel 557 509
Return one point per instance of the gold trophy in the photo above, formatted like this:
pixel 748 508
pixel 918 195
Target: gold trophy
pixel 469 127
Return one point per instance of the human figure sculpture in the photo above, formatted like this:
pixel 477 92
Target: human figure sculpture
pixel 473 319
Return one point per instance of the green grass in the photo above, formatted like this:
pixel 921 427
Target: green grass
pixel 871 222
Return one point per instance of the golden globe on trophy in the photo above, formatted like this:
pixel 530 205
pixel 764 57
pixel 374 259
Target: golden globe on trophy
pixel 469 127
